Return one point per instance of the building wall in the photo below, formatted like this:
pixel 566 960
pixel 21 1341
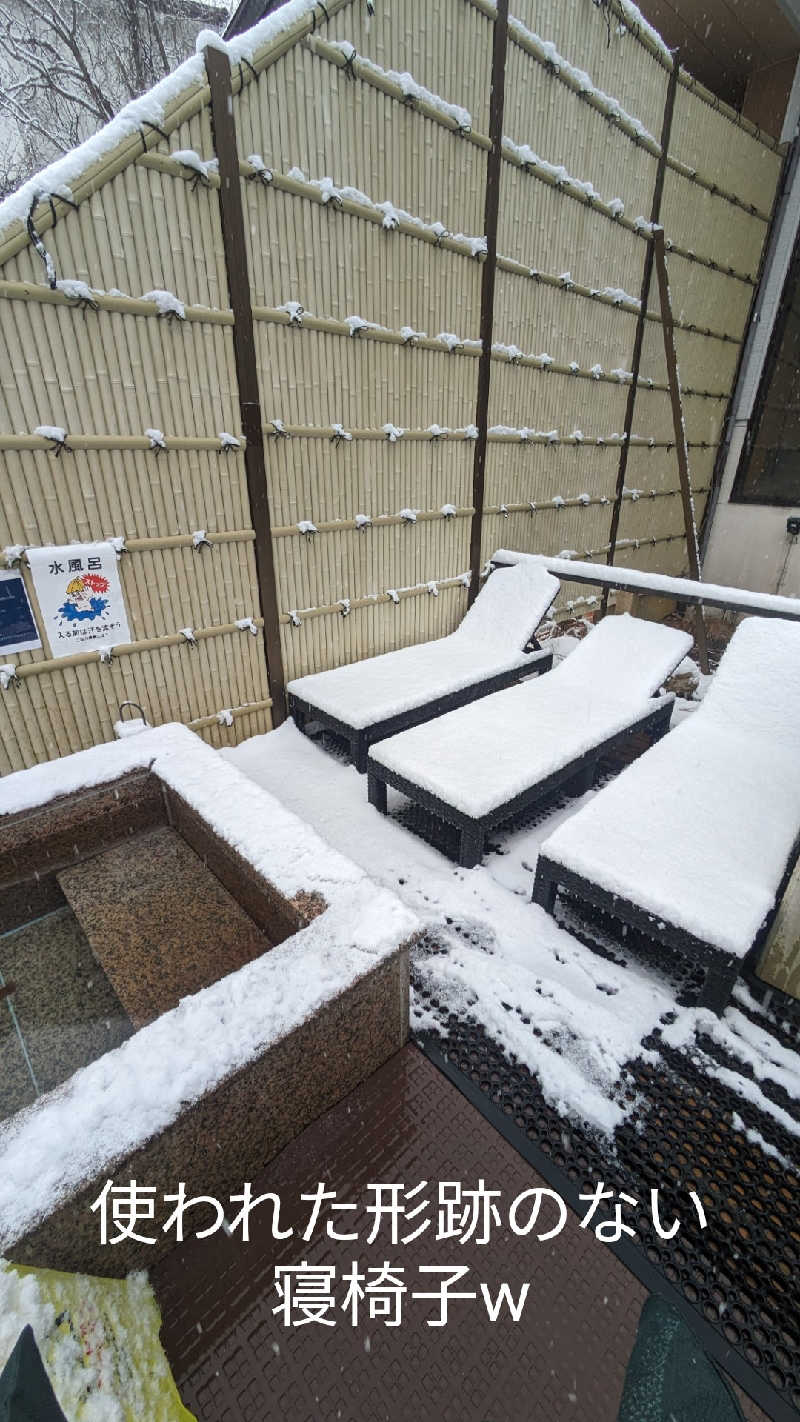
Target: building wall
pixel 747 544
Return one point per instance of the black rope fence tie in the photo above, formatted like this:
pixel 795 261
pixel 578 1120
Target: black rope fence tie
pixel 49 264
pixel 58 446
pixel 314 20
pixel 145 123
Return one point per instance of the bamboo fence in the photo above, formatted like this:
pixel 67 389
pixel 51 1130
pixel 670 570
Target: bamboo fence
pixel 363 200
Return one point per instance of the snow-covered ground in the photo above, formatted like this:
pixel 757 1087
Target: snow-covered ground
pixel 502 949
pixel 571 1016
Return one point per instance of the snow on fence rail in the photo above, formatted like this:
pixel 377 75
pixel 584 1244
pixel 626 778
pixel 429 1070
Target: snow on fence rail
pixel 555 175
pixel 142 295
pixel 682 589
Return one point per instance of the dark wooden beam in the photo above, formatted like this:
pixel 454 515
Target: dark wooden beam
pixel 233 237
pixel 641 320
pixel 490 217
pixel 668 327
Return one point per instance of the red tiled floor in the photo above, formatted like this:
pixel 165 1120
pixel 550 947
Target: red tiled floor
pixel 234 1359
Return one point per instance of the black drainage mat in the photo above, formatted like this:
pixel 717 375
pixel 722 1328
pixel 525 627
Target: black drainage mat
pixel 737 1281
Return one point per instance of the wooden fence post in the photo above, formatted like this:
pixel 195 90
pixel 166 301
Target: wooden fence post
pixel 655 214
pixel 491 209
pixel 692 546
pixel 233 237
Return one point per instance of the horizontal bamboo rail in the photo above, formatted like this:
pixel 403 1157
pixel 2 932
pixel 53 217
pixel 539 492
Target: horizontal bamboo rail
pixel 532 45
pixel 23 671
pixel 583 501
pixel 629 304
pixel 172 540
pixel 496 435
pixel 341 525
pixel 344 606
pixel 247 535
pixel 646 541
pixel 130 649
pixel 370 73
pixel 104 301
pixel 135 306
pixel 685 79
pixel 308 321
pixel 424 232
pixel 92 443
pixel 467 347
pixel 200 723
pixel 75 443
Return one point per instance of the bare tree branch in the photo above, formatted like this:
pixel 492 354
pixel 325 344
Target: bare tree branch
pixel 67 66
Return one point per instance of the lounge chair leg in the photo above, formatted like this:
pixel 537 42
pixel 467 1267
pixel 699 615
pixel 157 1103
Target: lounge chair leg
pixel 545 888
pixel 584 780
pixel 359 750
pixel 718 986
pixel 376 792
pixel 470 848
pixel 661 727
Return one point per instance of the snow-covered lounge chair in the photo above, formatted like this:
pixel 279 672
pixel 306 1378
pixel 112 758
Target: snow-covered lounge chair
pixel 477 767
pixel 694 844
pixel 367 701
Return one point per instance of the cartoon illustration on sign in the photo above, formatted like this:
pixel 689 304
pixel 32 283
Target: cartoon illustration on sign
pixel 83 601
pixel 80 597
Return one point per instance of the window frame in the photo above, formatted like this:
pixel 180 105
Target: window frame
pixel 738 494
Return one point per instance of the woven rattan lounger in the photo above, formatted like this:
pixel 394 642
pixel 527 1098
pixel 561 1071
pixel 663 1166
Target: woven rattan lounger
pixel 367 701
pixel 693 845
pixel 479 766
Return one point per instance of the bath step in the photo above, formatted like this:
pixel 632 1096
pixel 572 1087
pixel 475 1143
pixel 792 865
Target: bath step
pixel 158 921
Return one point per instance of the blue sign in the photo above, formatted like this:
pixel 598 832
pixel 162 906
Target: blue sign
pixel 18 631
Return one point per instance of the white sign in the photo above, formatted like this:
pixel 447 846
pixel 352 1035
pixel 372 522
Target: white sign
pixel 80 597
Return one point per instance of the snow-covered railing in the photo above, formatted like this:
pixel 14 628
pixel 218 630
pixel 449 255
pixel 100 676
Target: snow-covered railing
pixel 298 615
pixel 581 501
pixel 129 649
pixel 353 202
pixel 359 328
pixel 499 434
pixel 117 302
pixel 359 522
pixel 15 553
pixel 682 589
pixel 96 442
pixel 249 708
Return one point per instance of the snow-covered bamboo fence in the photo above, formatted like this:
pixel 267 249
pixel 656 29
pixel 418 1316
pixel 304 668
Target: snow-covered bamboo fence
pixel 362 155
